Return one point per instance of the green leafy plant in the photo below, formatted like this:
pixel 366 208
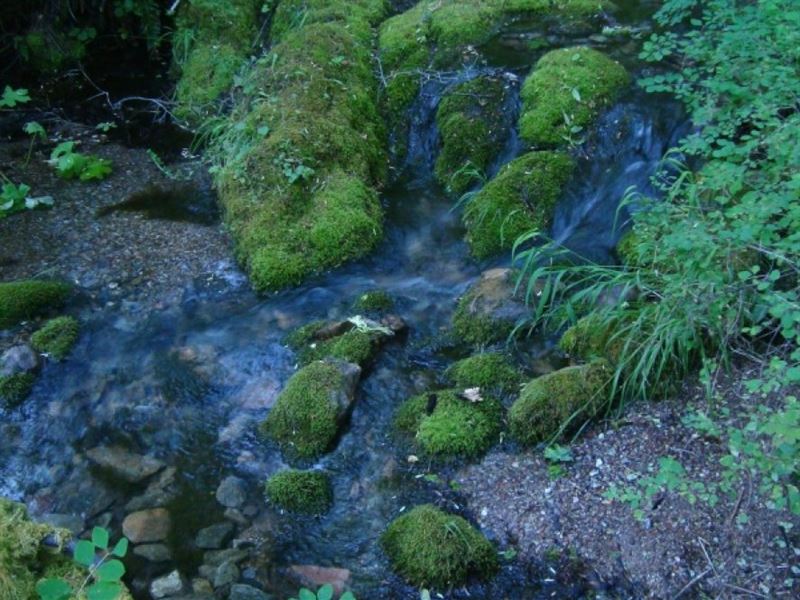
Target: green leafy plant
pixel 36 131
pixel 323 593
pixel 12 97
pixel 558 456
pixel 105 570
pixel 70 164
pixel 15 198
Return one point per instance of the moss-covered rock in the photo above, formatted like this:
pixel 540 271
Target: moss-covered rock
pixel 445 424
pixel 471 123
pixel 429 547
pixel 375 301
pixel 520 199
pixel 297 166
pixel 26 299
pixel 14 389
pixel 308 492
pixel 312 407
pixel 211 44
pixel 492 372
pixel 592 338
pixel 577 82
pixel 490 310
pixel 339 339
pixel 56 337
pixel 559 402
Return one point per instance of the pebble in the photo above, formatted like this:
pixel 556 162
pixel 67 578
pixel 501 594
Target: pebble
pixel 168 585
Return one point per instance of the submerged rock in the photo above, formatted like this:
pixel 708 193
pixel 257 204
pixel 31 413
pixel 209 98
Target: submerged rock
pixel 240 591
pixel 152 525
pixel 314 576
pixel 125 464
pixel 232 492
pixel 153 552
pixel 214 536
pixel 169 585
pixel 18 359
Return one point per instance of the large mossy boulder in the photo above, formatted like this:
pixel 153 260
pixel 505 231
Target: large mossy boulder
pixel 567 89
pixel 307 492
pixel 429 547
pixel 490 309
pixel 559 402
pixel 521 199
pixel 473 126
pixel 26 299
pixel 312 408
pixel 492 372
pixel 449 424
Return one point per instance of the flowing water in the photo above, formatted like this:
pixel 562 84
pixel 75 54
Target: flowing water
pixel 190 384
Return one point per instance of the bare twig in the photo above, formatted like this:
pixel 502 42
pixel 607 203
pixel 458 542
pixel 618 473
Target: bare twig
pixel 689 585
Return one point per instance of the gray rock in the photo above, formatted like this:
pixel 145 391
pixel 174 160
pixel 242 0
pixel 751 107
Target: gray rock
pixel 18 359
pixel 168 585
pixel 160 492
pixel 153 552
pixel 125 464
pixel 150 525
pixel 214 536
pixel 235 515
pixel 71 522
pixel 232 492
pixel 202 586
pixel 241 591
pixel 226 574
pixel 215 558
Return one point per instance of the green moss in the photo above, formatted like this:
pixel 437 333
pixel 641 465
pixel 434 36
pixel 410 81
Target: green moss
pixel 470 122
pixel 577 82
pixel 429 547
pixel 57 337
pixel 520 199
pixel 354 346
pixel 206 75
pixel 590 338
pixel 26 299
pixel 306 416
pixel 626 248
pixel 446 425
pixel 492 372
pixel 308 492
pixel 565 398
pixel 14 389
pixel 374 301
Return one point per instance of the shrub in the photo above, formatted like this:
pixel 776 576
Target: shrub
pixel 429 547
pixel 57 337
pixel 25 299
pixel 307 492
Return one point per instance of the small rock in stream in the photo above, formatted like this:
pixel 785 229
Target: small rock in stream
pixel 18 359
pixel 153 552
pixel 226 574
pixel 125 464
pixel 168 585
pixel 314 576
pixel 232 492
pixel 241 591
pixel 215 536
pixel 150 525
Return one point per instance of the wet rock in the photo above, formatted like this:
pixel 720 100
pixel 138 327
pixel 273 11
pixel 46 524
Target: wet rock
pixel 241 591
pixel 214 536
pixel 232 492
pixel 235 515
pixel 215 558
pixel 202 586
pixel 226 574
pixel 150 525
pixel 153 552
pixel 125 464
pixel 332 330
pixel 159 492
pixel 168 585
pixel 313 576
pixel 71 522
pixel 394 323
pixel 18 359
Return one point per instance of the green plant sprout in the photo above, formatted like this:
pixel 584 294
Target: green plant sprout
pixel 323 593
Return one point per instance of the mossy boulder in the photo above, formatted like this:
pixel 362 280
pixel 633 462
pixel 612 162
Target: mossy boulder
pixel 57 337
pixel 307 492
pixel 567 88
pixel 472 126
pixel 559 402
pixel 312 408
pixel 492 372
pixel 344 340
pixel 592 337
pixel 374 301
pixel 431 548
pixel 521 199
pixel 14 389
pixel 445 423
pixel 26 299
pixel 490 310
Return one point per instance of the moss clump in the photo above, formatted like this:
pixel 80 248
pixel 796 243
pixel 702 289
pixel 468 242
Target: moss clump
pixel 491 372
pixel 374 301
pixel 353 345
pixel 430 547
pixel 307 414
pixel 520 199
pixel 626 248
pixel 14 389
pixel 591 338
pixel 25 299
pixel 446 425
pixel 212 42
pixel 577 82
pixel 57 337
pixel 563 399
pixel 470 121
pixel 308 492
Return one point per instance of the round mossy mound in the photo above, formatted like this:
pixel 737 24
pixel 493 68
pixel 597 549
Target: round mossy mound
pixel 447 425
pixel 429 547
pixel 522 198
pixel 559 402
pixel 491 372
pixel 374 301
pixel 307 492
pixel 57 337
pixel 14 389
pixel 353 345
pixel 26 299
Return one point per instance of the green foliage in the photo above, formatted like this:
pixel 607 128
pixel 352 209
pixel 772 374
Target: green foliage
pixel 429 547
pixel 308 492
pixel 15 198
pixel 12 97
pixel 558 456
pixel 57 337
pixel 14 389
pixel 323 593
pixel 492 372
pixel 25 299
pixel 565 92
pixel 74 165
pixel 105 571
